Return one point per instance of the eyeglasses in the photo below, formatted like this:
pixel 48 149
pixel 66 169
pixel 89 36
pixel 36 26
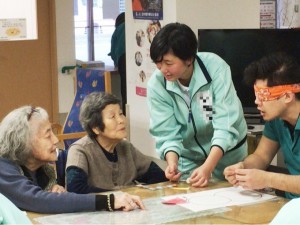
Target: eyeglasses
pixel 33 110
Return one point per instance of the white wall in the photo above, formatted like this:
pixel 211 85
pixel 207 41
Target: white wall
pixel 198 14
pixel 65 52
pixel 216 14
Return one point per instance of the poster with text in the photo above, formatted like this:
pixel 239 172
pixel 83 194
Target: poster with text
pixel 13 29
pixel 144 67
pixel 147 9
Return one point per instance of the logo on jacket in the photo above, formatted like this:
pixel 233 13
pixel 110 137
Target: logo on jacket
pixel 205 102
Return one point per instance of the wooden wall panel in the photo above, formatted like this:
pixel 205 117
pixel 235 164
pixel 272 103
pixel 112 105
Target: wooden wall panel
pixel 28 69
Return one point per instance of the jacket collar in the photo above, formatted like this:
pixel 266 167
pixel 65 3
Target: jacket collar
pixel 200 77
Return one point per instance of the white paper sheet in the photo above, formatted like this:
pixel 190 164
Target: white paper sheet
pixel 198 204
pixel 221 197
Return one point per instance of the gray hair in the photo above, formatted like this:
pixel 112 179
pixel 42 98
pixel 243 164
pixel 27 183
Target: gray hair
pixel 16 133
pixel 91 110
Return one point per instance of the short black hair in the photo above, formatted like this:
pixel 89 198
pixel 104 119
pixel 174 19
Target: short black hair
pixel 120 19
pixel 277 68
pixel 175 38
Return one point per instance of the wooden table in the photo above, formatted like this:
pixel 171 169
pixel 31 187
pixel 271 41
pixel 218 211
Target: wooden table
pixel 259 213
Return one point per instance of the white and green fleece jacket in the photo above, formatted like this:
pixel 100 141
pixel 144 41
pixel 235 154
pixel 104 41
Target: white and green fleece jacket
pixel 213 117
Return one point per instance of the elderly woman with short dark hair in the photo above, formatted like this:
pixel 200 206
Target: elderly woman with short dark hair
pixel 27 145
pixel 103 160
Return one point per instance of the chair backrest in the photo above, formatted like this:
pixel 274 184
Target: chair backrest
pixel 60 167
pixel 87 81
pixel 60 164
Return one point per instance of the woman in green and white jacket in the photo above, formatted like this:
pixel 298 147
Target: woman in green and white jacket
pixel 196 117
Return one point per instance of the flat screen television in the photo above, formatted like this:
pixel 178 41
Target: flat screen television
pixel 239 47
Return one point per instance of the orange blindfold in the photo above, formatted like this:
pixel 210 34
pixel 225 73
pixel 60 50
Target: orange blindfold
pixel 274 93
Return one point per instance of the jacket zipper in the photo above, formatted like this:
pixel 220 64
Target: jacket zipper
pixel 191 119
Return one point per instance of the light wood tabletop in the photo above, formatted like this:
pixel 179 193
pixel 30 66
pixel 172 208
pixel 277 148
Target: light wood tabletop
pixel 258 213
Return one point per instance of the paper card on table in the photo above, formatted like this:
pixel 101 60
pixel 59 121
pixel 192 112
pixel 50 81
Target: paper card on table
pixel 220 197
pixel 174 201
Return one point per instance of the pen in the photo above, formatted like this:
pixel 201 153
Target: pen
pixel 180 188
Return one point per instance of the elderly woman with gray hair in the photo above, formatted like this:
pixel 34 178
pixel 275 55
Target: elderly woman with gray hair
pixel 103 160
pixel 27 145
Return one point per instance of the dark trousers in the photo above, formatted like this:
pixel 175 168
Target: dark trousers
pixel 122 72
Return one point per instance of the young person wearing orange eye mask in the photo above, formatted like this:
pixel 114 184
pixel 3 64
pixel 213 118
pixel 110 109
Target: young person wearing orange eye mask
pixel 276 80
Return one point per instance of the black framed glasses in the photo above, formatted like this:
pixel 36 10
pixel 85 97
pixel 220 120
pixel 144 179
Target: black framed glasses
pixel 33 110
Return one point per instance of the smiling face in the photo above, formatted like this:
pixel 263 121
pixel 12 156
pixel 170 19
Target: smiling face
pixel 114 125
pixel 173 68
pixel 43 143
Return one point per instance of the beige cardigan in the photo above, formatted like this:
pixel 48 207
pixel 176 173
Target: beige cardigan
pixel 87 155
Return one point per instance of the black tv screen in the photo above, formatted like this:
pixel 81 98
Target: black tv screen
pixel 239 47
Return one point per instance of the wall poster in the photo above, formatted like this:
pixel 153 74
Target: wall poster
pixel 12 29
pixel 268 14
pixel 147 15
pixel 147 9
pixel 144 33
pixel 18 20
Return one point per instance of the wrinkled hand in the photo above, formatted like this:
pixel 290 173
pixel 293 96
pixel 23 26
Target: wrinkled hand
pixel 251 178
pixel 57 188
pixel 230 173
pixel 172 173
pixel 200 177
pixel 127 202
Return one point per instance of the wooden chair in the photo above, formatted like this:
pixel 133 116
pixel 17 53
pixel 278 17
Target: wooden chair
pixel 87 81
pixel 60 164
pixel 57 130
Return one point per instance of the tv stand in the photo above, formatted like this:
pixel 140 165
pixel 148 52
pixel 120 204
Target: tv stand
pixel 253 136
pixel 253 118
pixel 255 128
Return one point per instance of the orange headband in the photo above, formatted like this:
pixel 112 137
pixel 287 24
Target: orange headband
pixel 273 93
